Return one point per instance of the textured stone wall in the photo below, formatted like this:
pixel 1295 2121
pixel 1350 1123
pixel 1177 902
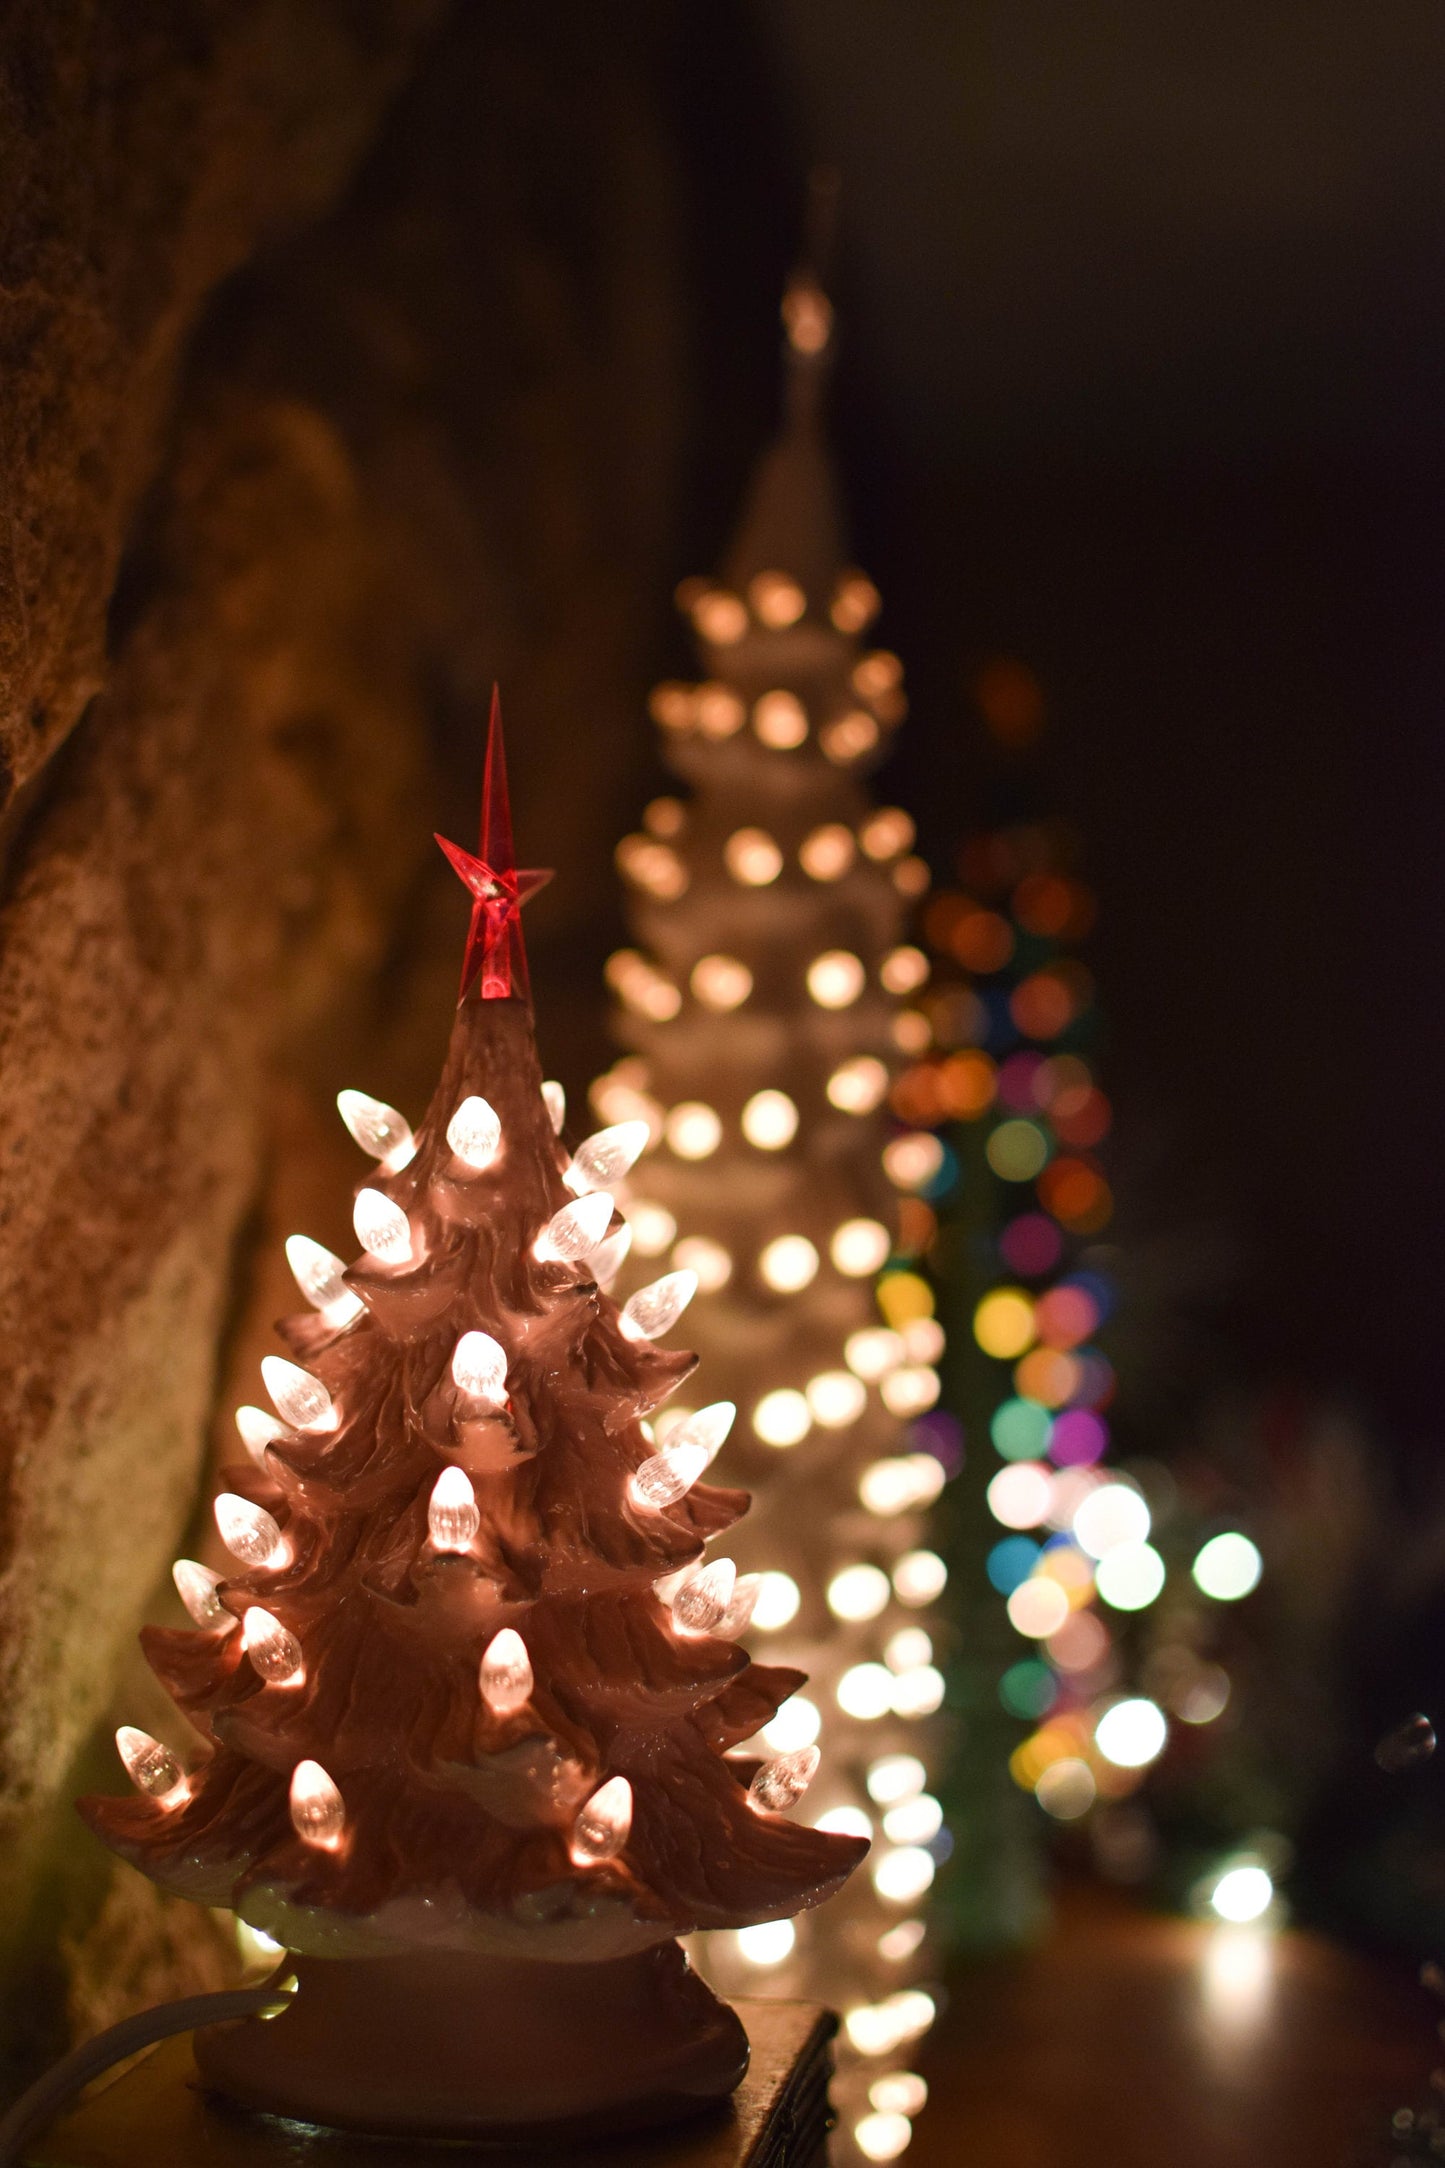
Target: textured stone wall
pixel 337 344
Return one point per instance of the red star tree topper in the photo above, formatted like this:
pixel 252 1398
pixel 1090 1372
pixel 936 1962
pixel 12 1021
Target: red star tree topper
pixel 469 1700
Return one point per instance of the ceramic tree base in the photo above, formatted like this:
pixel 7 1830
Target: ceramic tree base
pixel 158 2111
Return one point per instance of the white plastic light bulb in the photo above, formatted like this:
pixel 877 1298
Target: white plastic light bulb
pixel 606 1156
pixel 151 1767
pixel 475 1133
pixel 258 1430
pixel 320 1275
pixel 702 1601
pixel 573 1233
pixel 667 1476
pixel 196 1586
pixel 318 1812
pixel 707 1428
pixel 382 1228
pixel 554 1099
pixel 274 1651
pixel 378 1129
pixel 739 1614
pixel 656 1308
pixel 298 1398
pixel 249 1532
pixel 479 1368
pixel 610 1256
pixel 452 1515
pixel 506 1673
pixel 603 1825
pixel 780 1784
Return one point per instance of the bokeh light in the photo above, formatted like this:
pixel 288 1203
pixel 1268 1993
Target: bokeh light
pixel 752 857
pixel 1017 1150
pixel 1003 1323
pixel 1131 1733
pixel 770 1120
pixel 1228 1567
pixel 1130 1576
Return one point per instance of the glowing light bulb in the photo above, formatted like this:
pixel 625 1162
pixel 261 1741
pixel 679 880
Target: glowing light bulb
pixel 1020 1494
pixel 1109 1516
pixel 298 1398
pixel 479 1368
pixel 768 1943
pixel 603 1825
pixel 610 1256
pixel 321 1279
pixel 708 1260
pixel 856 601
pixel 720 713
pixel 554 1099
pixel 911 1390
pixel 859 1085
pixel 770 1120
pixel 836 979
pixel 738 1616
pixel 606 1156
pixel 859 1247
pixel 907 1649
pixel 897 1485
pixel 1130 1576
pixel 777 599
pixel 849 737
pixel 707 1428
pixel 915 1821
pixel 274 1651
pixel 693 1130
pixel 873 1352
pixel 475 1133
pixel 1038 1608
pixel 506 1673
pixel 895 1777
pixel 865 1691
pixel 858 1592
pixel 382 1228
pixel 652 865
pixel 378 1129
pixel 573 1233
pixel 902 1875
pixel 752 857
pixel 1242 1894
pixel 653 1226
pixel 788 1263
pixel 882 2136
pixel 196 1586
pixel 911 1162
pixel 151 1767
pixel 452 1515
pixel 656 1308
pixel 903 969
pixel 777 1602
pixel 258 1430
pixel 704 1597
pixel 318 1812
pixel 780 1784
pixel 1132 1733
pixel 797 1724
pixel 827 853
pixel 780 721
pixel 782 1418
pixel 923 1339
pixel 836 1398
pixel 667 1476
pixel 249 1532
pixel 900 2092
pixel 719 617
pixel 919 1577
pixel 845 1822
pixel 721 982
pixel 1228 1567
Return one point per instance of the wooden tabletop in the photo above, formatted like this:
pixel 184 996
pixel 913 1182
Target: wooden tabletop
pixel 1133 2041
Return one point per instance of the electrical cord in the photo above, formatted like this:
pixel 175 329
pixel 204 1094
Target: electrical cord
pixel 50 2093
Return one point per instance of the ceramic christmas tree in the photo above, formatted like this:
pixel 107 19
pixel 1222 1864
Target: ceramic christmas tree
pixel 459 1756
pixel 762 1007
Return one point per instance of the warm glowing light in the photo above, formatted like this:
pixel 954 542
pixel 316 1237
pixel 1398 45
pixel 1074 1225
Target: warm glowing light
pixel 919 1577
pixel 900 1942
pixel 298 1398
pixel 1003 1323
pixel 845 1822
pixel 796 1725
pixel 900 2092
pixel 382 1228
pixel 849 737
pixel 777 1602
pixel 664 816
pixel 887 833
pixel 609 1257
pixel 693 1129
pixel 1228 1567
pixel 1017 1150
pixel 883 2135
pixel 378 1129
pixel 646 990
pixel 908 1648
pixel 903 969
pixel 780 1784
pixel 1242 1894
pixel 739 1614
pixel 766 1944
pixel 721 982
pixel 719 617
pixel 777 599
pixel 702 1601
pixel 752 857
pixel 915 1821
pixel 707 1428
pixel 873 1352
pixel 196 1585
pixel 571 1234
pixel 904 1296
pixel 1066 1789
pixel 274 1652
pixel 836 979
pixel 895 1486
pixel 858 1592
pixel 827 852
pixel 1038 1608
pixel 670 1474
pixel 554 1099
pixel 780 721
pixel 318 1812
pixel 911 1162
pixel 1130 1576
pixel 603 1825
pixel 1131 1734
pixel 505 1677
pixel 653 1226
pixel 836 1398
pixel 479 1367
pixel 859 1085
pixel 865 1691
pixel 911 1390
pixel 782 1418
pixel 923 1339
pixel 855 603
pixel 903 1874
pixel 652 865
pixel 258 1430
pixel 770 1120
pixel 860 1247
pixel 606 1157
pixel 452 1515
pixel 1111 1515
pixel 720 713
pixel 321 1279
pixel 881 2027
pixel 896 1777
pixel 1020 1494
pixel 918 1691
pixel 788 1263
pixel 708 1261
pixel 249 1532
pixel 151 1767
pixel 656 1308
